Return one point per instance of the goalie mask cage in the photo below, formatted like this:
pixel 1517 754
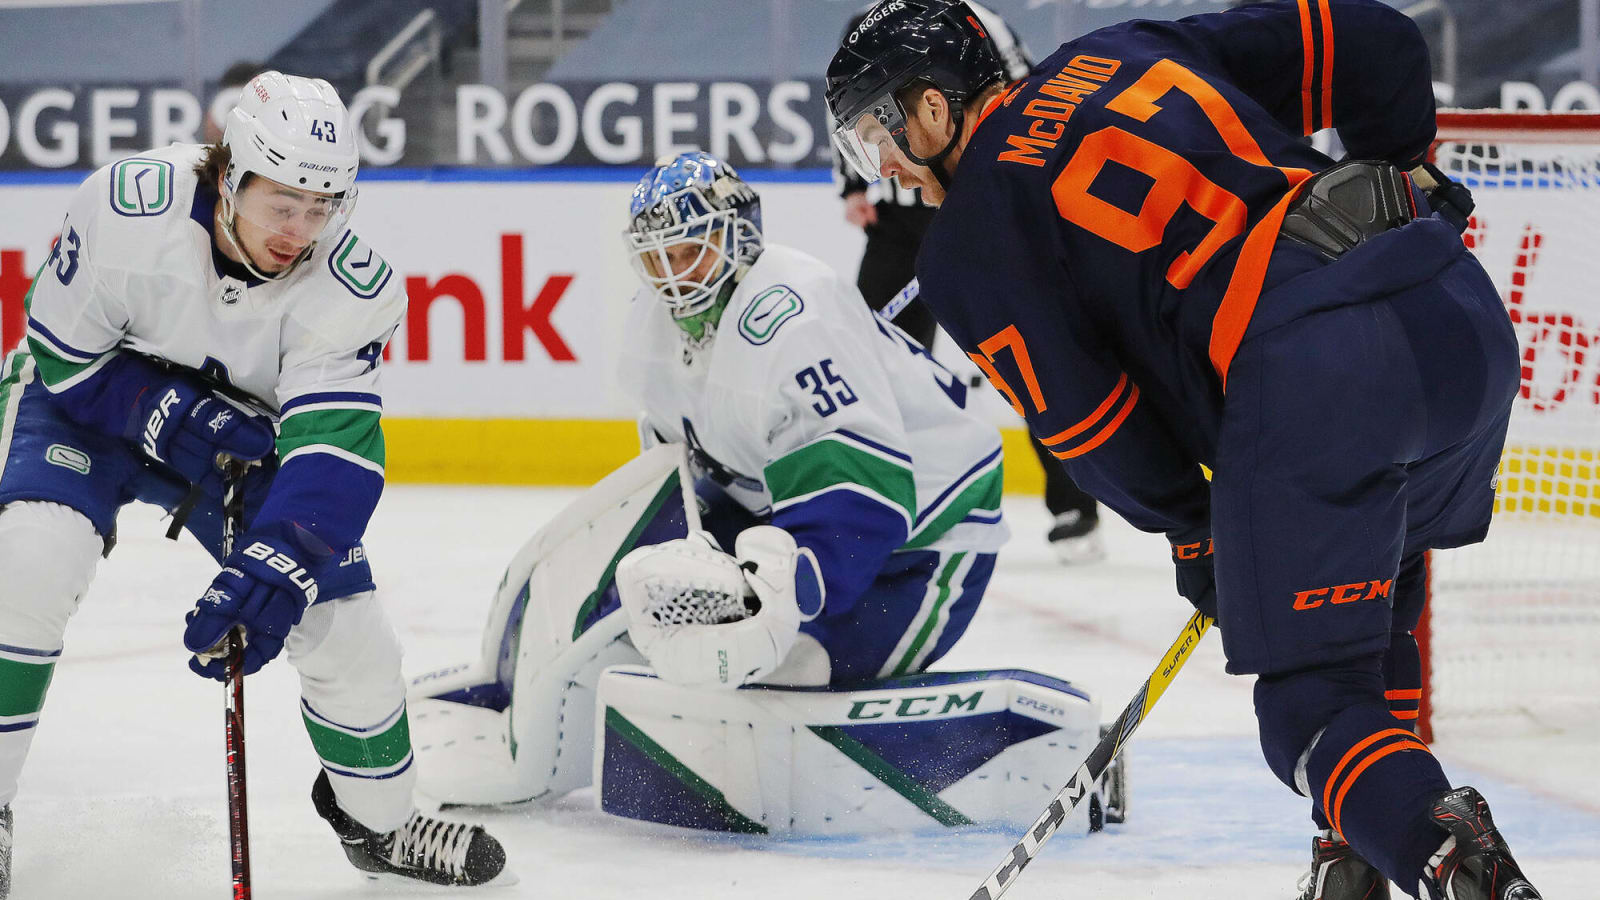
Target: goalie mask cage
pixel 1511 638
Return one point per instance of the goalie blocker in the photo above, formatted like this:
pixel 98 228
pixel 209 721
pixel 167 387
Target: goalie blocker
pixel 559 700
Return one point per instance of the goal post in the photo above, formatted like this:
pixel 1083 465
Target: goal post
pixel 1512 632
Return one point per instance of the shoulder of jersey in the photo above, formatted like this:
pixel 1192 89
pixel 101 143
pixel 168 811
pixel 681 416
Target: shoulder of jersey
pixel 783 290
pixel 155 184
pixel 353 265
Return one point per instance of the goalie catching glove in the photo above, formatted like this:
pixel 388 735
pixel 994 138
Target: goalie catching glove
pixel 706 619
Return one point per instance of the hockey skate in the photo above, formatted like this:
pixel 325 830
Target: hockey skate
pixel 423 849
pixel 1075 538
pixel 1338 873
pixel 5 851
pixel 1474 862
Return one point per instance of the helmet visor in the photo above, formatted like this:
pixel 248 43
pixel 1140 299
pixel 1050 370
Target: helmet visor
pixel 869 138
pixel 299 215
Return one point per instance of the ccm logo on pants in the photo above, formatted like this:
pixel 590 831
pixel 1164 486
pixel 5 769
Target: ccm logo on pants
pixel 1344 593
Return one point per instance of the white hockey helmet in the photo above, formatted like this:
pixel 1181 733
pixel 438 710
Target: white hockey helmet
pixel 296 132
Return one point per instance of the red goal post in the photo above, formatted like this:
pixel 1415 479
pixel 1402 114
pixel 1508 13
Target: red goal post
pixel 1513 626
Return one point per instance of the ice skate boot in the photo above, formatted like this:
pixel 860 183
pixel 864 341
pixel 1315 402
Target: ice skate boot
pixel 1338 873
pixel 1075 538
pixel 423 849
pixel 1474 862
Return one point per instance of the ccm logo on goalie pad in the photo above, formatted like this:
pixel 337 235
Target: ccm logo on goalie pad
pixel 280 562
pixel 157 421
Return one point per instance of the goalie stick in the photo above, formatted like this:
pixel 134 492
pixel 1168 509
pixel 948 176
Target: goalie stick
pixel 1097 762
pixel 901 300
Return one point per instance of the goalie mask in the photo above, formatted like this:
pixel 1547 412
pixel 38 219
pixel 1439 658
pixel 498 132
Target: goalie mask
pixel 694 225
pixel 291 173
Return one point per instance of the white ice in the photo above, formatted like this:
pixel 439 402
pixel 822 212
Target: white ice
pixel 124 797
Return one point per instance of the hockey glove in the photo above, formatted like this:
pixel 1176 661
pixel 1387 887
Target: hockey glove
pixel 1450 200
pixel 706 619
pixel 263 590
pixel 186 425
pixel 1197 578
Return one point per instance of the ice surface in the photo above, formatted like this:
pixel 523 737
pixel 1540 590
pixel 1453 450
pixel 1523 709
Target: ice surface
pixel 124 796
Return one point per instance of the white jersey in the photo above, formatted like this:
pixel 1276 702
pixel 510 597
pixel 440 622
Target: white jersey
pixel 804 390
pixel 134 270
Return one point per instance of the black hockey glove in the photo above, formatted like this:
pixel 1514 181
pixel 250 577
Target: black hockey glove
pixel 1450 200
pixel 1197 579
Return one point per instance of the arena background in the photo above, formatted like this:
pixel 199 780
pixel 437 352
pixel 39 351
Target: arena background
pixel 500 139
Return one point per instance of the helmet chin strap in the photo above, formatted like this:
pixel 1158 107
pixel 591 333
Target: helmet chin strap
pixel 245 258
pixel 935 163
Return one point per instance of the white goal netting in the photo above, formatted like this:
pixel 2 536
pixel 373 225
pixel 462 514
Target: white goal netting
pixel 1514 630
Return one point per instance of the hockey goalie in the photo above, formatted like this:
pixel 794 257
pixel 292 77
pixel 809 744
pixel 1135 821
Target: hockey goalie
pixel 732 632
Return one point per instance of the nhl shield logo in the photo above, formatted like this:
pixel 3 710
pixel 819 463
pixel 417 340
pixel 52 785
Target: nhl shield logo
pixel 232 291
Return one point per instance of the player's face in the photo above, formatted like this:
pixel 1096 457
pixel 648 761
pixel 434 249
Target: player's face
pixel 274 223
pixel 691 262
pixel 927 131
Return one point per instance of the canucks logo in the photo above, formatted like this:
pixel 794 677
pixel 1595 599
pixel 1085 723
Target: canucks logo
pixel 357 267
pixel 767 312
pixel 141 187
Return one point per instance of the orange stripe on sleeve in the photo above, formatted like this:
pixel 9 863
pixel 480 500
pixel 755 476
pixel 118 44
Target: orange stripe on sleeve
pixel 1336 814
pixel 1309 68
pixel 1327 64
pixel 1404 714
pixel 1352 753
pixel 1411 694
pixel 1089 420
pixel 1105 433
pixel 1244 286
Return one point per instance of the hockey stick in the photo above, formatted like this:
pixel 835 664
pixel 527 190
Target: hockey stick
pixel 1098 761
pixel 233 698
pixel 901 300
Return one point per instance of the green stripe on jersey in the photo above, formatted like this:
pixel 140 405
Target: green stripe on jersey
pixel 53 370
pixel 982 492
pixel 22 685
pixel 355 430
pixel 383 750
pixel 828 463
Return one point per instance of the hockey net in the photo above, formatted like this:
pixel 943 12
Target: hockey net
pixel 1512 638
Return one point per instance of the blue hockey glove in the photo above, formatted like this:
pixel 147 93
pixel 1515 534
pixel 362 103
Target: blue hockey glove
pixel 1197 578
pixel 264 588
pixel 1449 199
pixel 186 425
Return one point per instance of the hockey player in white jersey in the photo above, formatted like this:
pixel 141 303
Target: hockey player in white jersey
pixel 206 302
pixel 812 524
pixel 818 419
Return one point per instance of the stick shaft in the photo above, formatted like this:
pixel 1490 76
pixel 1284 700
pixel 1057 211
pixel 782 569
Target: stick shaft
pixel 1095 765
pixel 233 704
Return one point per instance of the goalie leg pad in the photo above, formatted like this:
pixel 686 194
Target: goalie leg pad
pixel 925 751
pixel 518 724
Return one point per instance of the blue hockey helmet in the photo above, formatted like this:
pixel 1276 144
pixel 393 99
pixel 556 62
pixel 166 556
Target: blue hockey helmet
pixel 693 222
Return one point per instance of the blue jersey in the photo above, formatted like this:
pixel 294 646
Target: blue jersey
pixel 1114 220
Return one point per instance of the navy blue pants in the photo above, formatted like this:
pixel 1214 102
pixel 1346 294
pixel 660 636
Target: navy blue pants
pixel 1353 436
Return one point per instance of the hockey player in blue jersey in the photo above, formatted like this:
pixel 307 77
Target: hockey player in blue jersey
pixel 201 302
pixel 1141 251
